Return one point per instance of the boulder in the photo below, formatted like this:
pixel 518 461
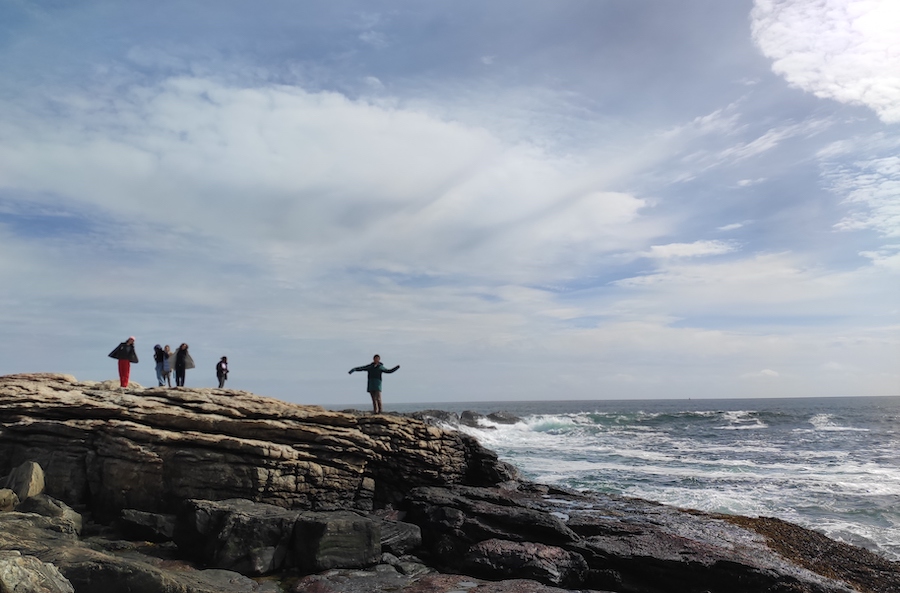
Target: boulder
pixel 8 500
pixel 471 419
pixel 27 574
pixel 503 418
pixel 237 534
pixel 26 480
pixel 48 506
pixel 257 539
pixel 336 540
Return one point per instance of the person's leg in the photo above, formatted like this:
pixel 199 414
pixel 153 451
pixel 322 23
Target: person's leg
pixel 376 401
pixel 124 372
pixel 179 377
pixel 159 375
pixel 168 377
pixel 221 381
pixel 373 395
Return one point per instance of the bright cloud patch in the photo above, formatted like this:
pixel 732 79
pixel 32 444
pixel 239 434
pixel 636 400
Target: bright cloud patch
pixel 695 249
pixel 846 50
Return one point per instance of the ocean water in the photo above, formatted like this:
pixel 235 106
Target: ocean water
pixel 830 464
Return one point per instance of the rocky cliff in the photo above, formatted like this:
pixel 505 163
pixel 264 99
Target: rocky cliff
pixel 225 491
pixel 150 449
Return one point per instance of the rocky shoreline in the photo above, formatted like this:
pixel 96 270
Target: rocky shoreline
pixel 212 490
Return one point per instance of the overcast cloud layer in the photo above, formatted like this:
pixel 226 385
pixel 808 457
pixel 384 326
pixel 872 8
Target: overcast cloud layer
pixel 525 200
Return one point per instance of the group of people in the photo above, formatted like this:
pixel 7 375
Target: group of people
pixel 166 360
pixel 181 360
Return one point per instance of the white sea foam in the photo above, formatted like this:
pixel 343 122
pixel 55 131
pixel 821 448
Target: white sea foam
pixel 821 469
pixel 826 422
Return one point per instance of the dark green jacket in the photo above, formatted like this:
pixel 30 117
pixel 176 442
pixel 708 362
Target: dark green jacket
pixel 375 370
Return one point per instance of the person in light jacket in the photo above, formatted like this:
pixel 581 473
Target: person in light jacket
pixel 222 371
pixel 159 357
pixel 126 355
pixel 167 365
pixel 373 386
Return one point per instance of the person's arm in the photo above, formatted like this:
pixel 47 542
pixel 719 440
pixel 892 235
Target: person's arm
pixel 392 370
pixel 363 368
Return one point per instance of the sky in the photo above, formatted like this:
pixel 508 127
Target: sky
pixel 512 200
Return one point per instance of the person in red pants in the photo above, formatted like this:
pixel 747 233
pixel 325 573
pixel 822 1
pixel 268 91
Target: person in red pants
pixel 126 355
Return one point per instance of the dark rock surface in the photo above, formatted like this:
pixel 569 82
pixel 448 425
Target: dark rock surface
pixel 247 486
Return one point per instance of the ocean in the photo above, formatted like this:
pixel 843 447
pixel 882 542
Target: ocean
pixel 830 464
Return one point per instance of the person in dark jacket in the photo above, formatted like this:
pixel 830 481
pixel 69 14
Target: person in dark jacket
pixel 222 371
pixel 126 355
pixel 159 356
pixel 183 361
pixel 373 386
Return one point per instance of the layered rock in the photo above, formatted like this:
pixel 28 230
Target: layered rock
pixel 249 486
pixel 151 449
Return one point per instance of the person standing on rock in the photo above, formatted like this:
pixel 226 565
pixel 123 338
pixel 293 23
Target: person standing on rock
pixel 375 369
pixel 222 371
pixel 159 357
pixel 167 365
pixel 183 361
pixel 126 355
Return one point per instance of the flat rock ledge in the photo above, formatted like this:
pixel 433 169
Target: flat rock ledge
pixel 209 490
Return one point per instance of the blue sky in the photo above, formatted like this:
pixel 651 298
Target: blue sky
pixel 590 199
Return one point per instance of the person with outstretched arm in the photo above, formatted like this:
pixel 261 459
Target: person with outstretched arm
pixel 375 369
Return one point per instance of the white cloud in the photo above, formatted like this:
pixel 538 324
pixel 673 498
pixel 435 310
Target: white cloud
pixel 758 285
pixel 887 258
pixel 317 181
pixel 695 249
pixel 846 50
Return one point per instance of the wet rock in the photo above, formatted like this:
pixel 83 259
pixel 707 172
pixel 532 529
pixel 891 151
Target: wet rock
pixel 503 418
pixel 453 519
pixel 436 417
pixel 381 579
pixel 502 559
pixel 471 419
